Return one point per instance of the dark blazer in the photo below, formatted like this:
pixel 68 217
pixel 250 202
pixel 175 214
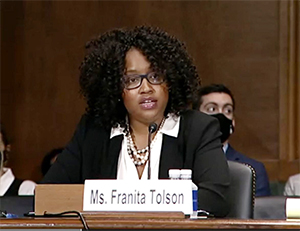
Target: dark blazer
pixel 91 154
pixel 262 180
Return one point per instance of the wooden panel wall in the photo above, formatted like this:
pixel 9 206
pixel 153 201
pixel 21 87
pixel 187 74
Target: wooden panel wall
pixel 289 80
pixel 251 46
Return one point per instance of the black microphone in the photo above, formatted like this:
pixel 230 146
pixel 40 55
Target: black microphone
pixel 152 128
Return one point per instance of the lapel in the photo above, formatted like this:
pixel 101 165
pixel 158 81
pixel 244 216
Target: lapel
pixel 171 156
pixel 110 165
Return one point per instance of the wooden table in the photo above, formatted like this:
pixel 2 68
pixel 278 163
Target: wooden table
pixel 145 223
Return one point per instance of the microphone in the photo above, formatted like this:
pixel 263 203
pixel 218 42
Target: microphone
pixel 152 128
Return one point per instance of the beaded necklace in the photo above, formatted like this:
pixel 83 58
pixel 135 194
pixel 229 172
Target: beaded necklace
pixel 140 157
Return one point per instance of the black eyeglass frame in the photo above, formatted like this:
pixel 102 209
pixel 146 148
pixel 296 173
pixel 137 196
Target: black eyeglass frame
pixel 141 77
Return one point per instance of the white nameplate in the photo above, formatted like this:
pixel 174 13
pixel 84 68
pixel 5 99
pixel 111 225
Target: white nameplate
pixel 138 195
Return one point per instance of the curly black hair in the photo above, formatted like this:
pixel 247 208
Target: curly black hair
pixel 103 67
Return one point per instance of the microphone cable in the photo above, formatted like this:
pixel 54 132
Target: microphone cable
pixel 62 214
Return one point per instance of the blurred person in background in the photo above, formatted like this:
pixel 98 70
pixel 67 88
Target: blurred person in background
pixel 292 186
pixel 9 184
pixel 218 101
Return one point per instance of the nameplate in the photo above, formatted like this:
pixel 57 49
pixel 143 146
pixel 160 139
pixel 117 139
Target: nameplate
pixel 138 195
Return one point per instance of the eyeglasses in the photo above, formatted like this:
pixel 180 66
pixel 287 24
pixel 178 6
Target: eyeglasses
pixel 133 81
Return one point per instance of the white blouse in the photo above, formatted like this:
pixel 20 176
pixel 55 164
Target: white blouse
pixel 126 168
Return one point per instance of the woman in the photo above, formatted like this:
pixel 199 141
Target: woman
pixel 132 78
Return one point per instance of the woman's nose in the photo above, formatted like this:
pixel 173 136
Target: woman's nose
pixel 145 86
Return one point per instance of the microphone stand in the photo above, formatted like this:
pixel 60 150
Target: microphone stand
pixel 152 128
pixel 149 151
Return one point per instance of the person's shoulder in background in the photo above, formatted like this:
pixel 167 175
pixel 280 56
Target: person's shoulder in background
pixel 12 186
pixel 292 186
pixel 27 188
pixel 262 179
